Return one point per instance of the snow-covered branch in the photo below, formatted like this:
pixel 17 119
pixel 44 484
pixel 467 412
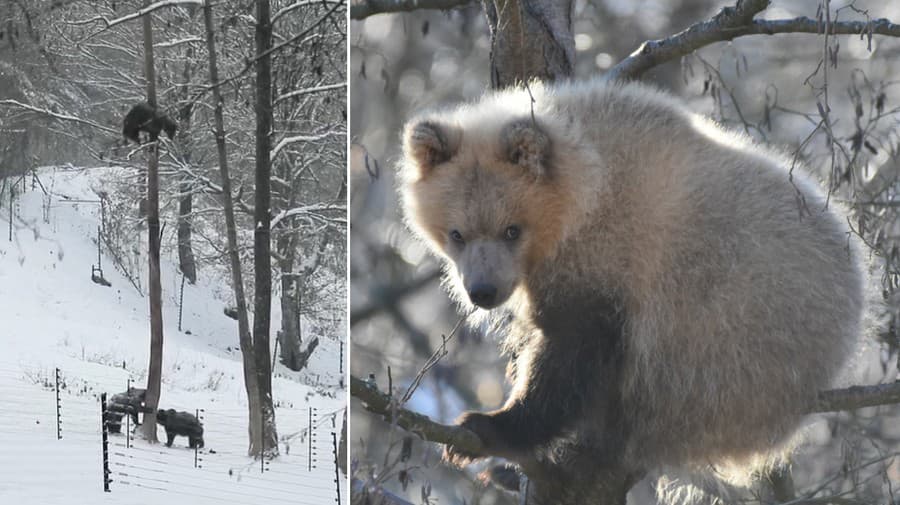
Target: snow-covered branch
pixel 307 91
pixel 176 42
pixel 296 5
pixel 361 9
pixel 303 138
pixel 109 23
pixel 306 210
pixel 57 115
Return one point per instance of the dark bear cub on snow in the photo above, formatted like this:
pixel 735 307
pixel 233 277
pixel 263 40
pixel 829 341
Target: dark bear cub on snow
pixel 181 423
pixel 128 403
pixel 144 116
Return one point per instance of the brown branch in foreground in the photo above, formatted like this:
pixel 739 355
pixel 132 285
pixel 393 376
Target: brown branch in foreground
pixel 855 397
pixel 379 403
pixel 361 9
pixel 731 23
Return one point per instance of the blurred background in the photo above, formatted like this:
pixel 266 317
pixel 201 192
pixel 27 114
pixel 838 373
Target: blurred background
pixel 765 86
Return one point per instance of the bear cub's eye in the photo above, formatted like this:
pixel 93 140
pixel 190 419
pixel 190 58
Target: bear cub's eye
pixel 456 236
pixel 512 232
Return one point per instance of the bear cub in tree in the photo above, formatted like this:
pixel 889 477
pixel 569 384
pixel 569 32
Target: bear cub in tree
pixel 673 303
pixel 143 117
pixel 181 423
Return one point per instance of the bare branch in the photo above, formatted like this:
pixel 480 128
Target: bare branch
pixel 307 91
pixel 379 403
pixel 731 23
pixel 307 209
pixel 361 9
pixel 134 15
pixel 283 143
pixel 57 115
pixel 855 397
pixel 285 10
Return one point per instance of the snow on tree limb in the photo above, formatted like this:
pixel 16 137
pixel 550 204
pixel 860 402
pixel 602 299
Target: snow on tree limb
pixel 361 9
pixel 307 91
pixel 57 115
pixel 304 3
pixel 306 209
pixel 303 138
pixel 107 23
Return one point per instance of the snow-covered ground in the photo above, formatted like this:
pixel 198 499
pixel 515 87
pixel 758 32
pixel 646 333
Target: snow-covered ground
pixel 53 316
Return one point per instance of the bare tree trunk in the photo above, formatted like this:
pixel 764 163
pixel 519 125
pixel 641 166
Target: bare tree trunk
pixel 237 279
pixel 186 262
pixel 154 371
pixel 262 262
pixel 290 336
pixel 342 448
pixel 530 39
pixel 292 285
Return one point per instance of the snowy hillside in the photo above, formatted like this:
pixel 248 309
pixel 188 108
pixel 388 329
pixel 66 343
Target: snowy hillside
pixel 53 316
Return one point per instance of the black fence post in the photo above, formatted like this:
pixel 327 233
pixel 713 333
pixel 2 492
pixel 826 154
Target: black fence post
pixel 309 443
pixel 105 440
pixel 11 191
pixel 58 414
pixel 128 417
pixel 181 301
pixel 337 475
pixel 197 459
pixel 196 446
pixel 262 440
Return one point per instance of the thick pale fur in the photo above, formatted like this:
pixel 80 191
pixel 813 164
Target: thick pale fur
pixel 742 292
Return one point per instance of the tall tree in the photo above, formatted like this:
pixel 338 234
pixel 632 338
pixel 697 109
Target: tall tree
pixel 237 278
pixel 186 262
pixel 154 371
pixel 262 263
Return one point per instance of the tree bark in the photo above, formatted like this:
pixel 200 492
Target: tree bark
pixel 290 336
pixel 154 371
pixel 262 262
pixel 293 283
pixel 237 279
pixel 186 262
pixel 530 39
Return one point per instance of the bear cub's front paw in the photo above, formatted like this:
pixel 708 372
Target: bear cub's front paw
pixel 482 425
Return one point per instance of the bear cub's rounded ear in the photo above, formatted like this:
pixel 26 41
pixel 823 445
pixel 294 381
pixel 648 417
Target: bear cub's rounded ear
pixel 526 145
pixel 429 144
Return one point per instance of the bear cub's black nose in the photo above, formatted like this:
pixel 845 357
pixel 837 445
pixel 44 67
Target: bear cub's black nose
pixel 483 295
